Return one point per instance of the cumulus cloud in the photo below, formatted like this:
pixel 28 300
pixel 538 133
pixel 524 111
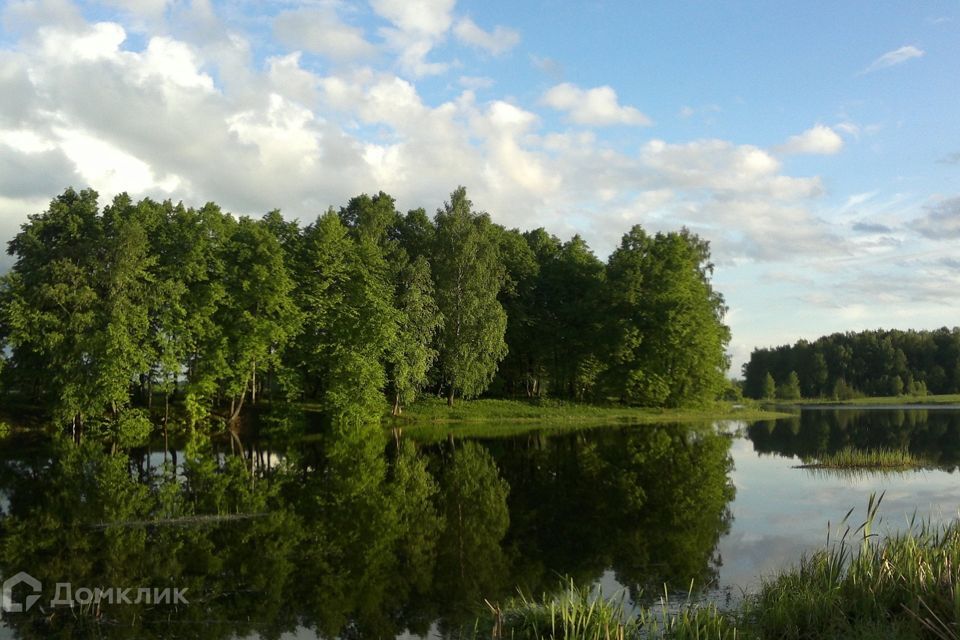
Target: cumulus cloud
pixel 35 175
pixel 725 167
pixel 495 42
pixel 592 107
pixel 206 120
pixel 418 25
pixel 941 220
pixel 818 140
pixel 320 30
pixel 895 57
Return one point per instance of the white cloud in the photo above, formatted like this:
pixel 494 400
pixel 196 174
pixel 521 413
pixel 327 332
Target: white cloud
pixel 418 25
pixel 320 30
pixel 210 121
pixel 592 107
pixel 723 166
pixel 475 83
pixel 109 169
pixel 495 42
pixel 895 57
pixel 100 41
pixel 424 17
pixel 818 140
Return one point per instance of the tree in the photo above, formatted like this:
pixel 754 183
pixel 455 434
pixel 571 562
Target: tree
pixel 668 340
pixel 789 390
pixel 573 286
pixel 468 276
pixel 418 322
pixel 769 387
pixel 259 316
pixel 350 323
pixel 76 307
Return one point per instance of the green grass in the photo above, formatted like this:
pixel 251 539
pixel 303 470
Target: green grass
pixel 851 458
pixel 861 586
pixel 945 399
pixel 575 614
pixel 432 419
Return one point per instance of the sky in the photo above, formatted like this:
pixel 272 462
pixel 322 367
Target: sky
pixel 816 145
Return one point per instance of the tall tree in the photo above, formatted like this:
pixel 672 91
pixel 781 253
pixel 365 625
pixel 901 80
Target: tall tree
pixel 350 322
pixel 668 335
pixel 468 274
pixel 418 322
pixel 259 316
pixel 76 302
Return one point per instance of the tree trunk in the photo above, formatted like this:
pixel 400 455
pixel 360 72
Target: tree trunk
pixel 450 396
pixel 253 385
pixel 396 404
pixel 235 408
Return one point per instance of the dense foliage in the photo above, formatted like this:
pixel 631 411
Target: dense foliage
pixel 846 365
pixel 149 310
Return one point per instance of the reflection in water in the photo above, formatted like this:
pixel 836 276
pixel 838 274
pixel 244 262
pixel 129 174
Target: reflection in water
pixel 355 536
pixel 928 434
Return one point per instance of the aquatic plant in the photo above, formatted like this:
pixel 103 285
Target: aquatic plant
pixel 861 585
pixel 852 458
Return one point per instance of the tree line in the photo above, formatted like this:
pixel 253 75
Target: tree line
pixel 847 365
pixel 112 318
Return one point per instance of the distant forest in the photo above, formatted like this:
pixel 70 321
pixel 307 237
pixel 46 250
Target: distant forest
pixel 847 365
pixel 152 311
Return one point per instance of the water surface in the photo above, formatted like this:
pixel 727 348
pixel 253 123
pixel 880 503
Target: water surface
pixel 349 536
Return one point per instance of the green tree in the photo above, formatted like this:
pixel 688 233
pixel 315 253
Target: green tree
pixel 418 322
pixel 572 286
pixel 76 308
pixel 769 387
pixel 350 323
pixel 468 274
pixel 259 317
pixel 790 389
pixel 668 337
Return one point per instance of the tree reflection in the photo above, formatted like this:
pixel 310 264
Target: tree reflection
pixel 355 535
pixel 931 435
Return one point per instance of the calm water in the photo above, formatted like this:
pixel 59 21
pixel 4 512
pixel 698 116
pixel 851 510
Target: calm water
pixel 352 537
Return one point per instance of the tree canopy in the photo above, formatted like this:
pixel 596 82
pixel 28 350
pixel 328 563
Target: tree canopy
pixel 877 363
pixel 146 306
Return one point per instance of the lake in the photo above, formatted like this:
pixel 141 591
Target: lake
pixel 358 535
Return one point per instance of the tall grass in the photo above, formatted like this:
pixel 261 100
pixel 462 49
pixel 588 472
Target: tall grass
pixel 859 586
pixel 576 614
pixel 900 586
pixel 852 458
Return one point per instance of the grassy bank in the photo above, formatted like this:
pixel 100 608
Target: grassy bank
pixel 863 586
pixel 944 399
pixel 432 418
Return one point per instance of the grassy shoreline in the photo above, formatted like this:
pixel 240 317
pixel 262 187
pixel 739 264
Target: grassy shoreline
pixel 862 586
pixel 905 400
pixel 432 418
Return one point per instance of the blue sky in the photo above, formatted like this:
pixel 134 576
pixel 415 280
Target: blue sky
pixel 815 144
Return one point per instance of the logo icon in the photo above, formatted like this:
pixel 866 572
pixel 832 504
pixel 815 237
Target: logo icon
pixel 7 605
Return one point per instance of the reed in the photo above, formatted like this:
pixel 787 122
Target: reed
pixel 861 585
pixel 853 458
pixel 575 614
